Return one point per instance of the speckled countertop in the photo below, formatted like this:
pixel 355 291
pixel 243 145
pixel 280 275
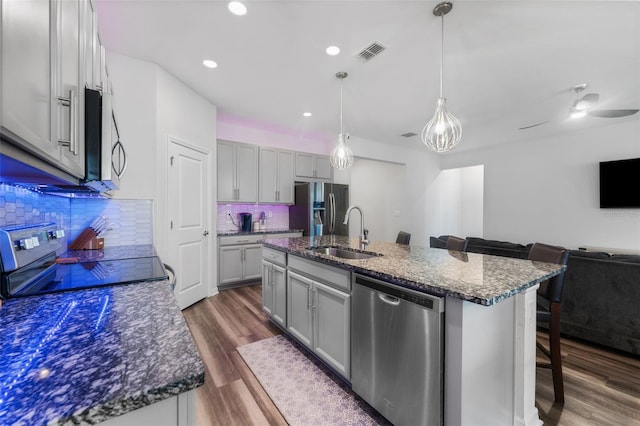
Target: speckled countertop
pixel 86 356
pixel 477 278
pixel 263 231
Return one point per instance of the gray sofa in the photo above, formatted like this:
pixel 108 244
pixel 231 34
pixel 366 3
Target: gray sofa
pixel 601 299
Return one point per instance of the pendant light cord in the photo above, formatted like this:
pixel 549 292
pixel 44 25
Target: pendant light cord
pixel 341 85
pixel 441 51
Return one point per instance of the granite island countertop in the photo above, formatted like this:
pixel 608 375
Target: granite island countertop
pixel 86 356
pixel 477 278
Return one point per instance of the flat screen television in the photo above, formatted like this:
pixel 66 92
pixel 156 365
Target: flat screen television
pixel 620 184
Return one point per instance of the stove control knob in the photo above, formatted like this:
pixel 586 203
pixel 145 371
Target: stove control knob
pixel 26 244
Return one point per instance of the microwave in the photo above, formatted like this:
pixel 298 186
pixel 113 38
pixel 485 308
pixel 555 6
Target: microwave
pixel 105 156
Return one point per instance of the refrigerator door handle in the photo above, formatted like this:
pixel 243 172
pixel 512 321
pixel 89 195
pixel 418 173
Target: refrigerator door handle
pixel 332 201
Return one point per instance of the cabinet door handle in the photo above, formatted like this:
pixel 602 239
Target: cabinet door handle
pixel 308 299
pixel 122 167
pixel 314 299
pixel 71 103
pixel 74 122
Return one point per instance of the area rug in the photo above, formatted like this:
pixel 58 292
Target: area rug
pixel 305 391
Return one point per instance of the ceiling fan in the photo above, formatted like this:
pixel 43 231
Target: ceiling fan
pixel 585 105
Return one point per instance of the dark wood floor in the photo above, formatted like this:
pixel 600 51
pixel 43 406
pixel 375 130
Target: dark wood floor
pixel 601 387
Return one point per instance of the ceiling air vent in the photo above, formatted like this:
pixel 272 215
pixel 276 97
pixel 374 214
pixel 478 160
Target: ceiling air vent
pixel 409 135
pixel 374 49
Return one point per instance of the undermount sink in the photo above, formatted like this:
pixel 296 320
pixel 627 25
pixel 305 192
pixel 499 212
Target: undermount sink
pixel 343 253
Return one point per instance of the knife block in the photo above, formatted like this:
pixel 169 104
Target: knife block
pixel 94 244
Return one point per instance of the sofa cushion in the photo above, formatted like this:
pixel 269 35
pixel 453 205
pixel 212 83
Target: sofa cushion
pixel 437 242
pixel 497 248
pixel 627 258
pixel 590 254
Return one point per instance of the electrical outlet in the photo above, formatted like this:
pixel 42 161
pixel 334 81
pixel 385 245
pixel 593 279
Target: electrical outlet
pixel 228 218
pixel 269 213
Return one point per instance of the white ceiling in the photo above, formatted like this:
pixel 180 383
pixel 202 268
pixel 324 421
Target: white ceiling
pixel 507 64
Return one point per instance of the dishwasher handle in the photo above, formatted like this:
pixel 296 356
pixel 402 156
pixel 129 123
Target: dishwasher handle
pixel 394 293
pixel 389 300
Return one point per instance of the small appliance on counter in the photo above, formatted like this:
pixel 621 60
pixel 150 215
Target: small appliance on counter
pixel 30 266
pixel 245 222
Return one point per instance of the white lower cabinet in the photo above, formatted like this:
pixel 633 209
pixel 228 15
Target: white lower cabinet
pixel 239 261
pixel 318 315
pixel 178 410
pixel 274 292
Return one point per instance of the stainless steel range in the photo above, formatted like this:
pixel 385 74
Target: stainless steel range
pixel 30 265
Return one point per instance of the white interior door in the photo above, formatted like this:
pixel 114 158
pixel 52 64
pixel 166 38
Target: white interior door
pixel 189 214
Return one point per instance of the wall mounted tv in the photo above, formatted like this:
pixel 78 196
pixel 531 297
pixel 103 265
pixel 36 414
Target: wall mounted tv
pixel 619 184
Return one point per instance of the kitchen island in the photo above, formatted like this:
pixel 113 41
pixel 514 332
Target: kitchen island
pixel 489 326
pixel 119 354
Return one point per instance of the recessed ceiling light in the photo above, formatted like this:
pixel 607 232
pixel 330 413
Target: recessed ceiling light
pixel 307 114
pixel 333 50
pixel 209 63
pixel 237 8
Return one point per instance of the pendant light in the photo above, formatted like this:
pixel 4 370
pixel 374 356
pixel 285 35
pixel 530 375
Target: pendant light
pixel 341 156
pixel 444 131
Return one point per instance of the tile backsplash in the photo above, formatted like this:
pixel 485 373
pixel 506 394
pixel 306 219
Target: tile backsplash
pixel 131 221
pixel 277 215
pixel 21 206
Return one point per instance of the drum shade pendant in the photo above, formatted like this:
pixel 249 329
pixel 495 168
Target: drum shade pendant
pixel 342 156
pixel 444 131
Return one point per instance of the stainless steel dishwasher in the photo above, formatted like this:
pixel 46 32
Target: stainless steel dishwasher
pixel 397 351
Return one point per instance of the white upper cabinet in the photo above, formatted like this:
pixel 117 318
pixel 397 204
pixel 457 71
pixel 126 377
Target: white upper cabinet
pixel 276 176
pixel 237 170
pixel 47 60
pixel 27 95
pixel 312 166
pixel 69 85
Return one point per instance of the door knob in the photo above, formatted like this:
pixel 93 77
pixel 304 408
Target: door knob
pixel 205 233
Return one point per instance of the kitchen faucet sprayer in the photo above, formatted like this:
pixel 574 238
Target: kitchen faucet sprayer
pixel 364 233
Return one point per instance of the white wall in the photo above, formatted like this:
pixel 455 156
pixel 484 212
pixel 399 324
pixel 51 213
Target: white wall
pixel 377 188
pixel 418 215
pixel 547 190
pixel 237 129
pixel 134 87
pixel 185 115
pixel 472 195
pixel 152 105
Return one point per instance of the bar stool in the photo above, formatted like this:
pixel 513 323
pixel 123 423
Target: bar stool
pixel 550 292
pixel 456 243
pixel 403 238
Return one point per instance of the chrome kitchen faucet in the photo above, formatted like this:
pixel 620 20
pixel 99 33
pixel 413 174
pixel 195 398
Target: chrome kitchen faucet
pixel 364 233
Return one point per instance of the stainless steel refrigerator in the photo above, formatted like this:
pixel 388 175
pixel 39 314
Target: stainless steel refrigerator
pixel 319 208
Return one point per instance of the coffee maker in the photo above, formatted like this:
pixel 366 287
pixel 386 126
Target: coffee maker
pixel 245 222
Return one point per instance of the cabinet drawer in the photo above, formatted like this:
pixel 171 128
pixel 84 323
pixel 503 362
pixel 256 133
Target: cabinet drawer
pixel 284 235
pixel 241 239
pixel 274 256
pixel 335 277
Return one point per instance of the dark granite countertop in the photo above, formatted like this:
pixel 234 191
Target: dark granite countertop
pixel 263 231
pixel 477 278
pixel 86 356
